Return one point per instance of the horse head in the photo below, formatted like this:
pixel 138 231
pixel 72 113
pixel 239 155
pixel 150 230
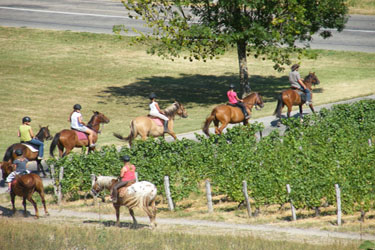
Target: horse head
pixel 311 79
pixel 254 99
pixel 96 119
pixel 7 167
pixel 44 133
pixel 181 110
pixel 99 183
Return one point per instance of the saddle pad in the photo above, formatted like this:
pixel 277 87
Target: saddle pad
pixel 157 121
pixel 32 149
pixel 81 135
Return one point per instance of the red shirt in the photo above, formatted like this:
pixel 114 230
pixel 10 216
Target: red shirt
pixel 232 97
pixel 129 174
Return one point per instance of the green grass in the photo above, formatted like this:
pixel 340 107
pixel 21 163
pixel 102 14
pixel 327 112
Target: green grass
pixel 44 73
pixel 27 234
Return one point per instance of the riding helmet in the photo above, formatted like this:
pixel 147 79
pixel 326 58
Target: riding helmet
pixel 77 107
pixel 152 95
pixel 125 158
pixel 231 86
pixel 295 66
pixel 18 152
pixel 26 119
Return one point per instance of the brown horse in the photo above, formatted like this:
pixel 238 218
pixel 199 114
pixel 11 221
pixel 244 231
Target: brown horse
pixel 68 138
pixel 291 97
pixel 145 126
pixel 42 135
pixel 24 186
pixel 226 114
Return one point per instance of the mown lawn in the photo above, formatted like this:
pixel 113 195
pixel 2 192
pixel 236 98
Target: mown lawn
pixel 44 73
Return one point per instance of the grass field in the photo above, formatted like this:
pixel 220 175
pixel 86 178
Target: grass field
pixel 44 73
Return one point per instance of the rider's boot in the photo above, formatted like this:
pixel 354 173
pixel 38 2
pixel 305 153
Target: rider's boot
pixel 166 130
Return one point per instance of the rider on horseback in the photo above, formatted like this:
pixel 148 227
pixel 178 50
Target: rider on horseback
pixel 127 175
pixel 297 83
pixel 155 111
pixel 20 164
pixel 233 99
pixel 76 123
pixel 27 135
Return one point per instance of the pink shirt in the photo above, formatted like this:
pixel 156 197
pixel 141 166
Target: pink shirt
pixel 129 174
pixel 232 97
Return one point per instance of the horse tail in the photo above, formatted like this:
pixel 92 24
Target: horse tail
pixel 129 137
pixel 279 106
pixel 208 122
pixel 8 153
pixel 53 144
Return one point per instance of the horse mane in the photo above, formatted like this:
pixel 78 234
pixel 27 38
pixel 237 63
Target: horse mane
pixel 89 124
pixel 172 109
pixel 40 134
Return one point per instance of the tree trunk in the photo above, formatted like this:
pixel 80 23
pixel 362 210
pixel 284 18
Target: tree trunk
pixel 244 73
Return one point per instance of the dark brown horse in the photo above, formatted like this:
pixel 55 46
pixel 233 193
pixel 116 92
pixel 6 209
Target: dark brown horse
pixel 24 186
pixel 226 114
pixel 42 135
pixel 145 126
pixel 291 97
pixel 68 138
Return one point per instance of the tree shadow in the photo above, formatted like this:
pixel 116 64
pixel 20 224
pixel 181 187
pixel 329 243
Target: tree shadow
pixel 203 90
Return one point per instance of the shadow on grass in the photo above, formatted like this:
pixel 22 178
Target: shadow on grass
pixel 199 89
pixel 6 212
pixel 110 223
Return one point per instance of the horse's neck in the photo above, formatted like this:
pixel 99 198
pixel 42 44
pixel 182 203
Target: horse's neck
pixel 94 123
pixel 250 100
pixel 40 135
pixel 171 112
pixel 105 181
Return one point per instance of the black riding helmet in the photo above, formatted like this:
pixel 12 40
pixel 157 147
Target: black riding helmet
pixel 125 158
pixel 152 95
pixel 18 152
pixel 26 119
pixel 77 107
pixel 231 86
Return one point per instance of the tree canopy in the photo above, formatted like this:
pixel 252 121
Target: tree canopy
pixel 206 29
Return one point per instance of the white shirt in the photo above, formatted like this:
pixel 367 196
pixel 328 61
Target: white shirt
pixel 74 123
pixel 153 107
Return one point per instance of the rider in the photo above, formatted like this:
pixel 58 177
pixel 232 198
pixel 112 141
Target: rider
pixel 297 83
pixel 127 175
pixel 20 164
pixel 233 99
pixel 26 133
pixel 155 111
pixel 76 123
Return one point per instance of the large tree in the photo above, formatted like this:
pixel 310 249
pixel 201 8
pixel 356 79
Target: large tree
pixel 201 30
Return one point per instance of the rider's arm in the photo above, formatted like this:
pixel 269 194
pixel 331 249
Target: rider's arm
pixel 157 106
pixel 31 133
pixel 18 133
pixel 123 171
pixel 80 120
pixel 301 83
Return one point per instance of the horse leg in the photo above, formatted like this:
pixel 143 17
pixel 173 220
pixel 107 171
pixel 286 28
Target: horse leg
pixel 300 112
pixel 150 210
pixel 222 127
pixel 40 167
pixel 312 108
pixel 289 110
pixel 24 206
pixel 216 123
pixel 117 208
pixel 172 134
pixel 135 224
pixel 12 198
pixel 29 198
pixel 41 194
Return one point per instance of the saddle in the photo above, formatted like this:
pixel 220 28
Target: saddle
pixel 301 94
pixel 157 120
pixel 81 135
pixel 33 148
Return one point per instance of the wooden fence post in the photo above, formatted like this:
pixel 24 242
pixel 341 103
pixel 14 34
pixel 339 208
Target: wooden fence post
pixel 244 191
pixel 209 196
pixel 370 142
pixel 136 176
pixel 338 198
pixel 291 203
pixel 168 193
pixel 53 179
pixel 61 176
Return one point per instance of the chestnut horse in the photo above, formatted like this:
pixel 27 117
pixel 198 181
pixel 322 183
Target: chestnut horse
pixel 145 126
pixel 291 97
pixel 68 138
pixel 10 154
pixel 226 114
pixel 24 186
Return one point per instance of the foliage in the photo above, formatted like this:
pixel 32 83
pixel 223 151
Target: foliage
pixel 207 29
pixel 328 148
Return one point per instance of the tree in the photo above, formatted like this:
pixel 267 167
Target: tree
pixel 206 29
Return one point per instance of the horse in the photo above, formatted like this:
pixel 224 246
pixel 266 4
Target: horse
pixel 140 194
pixel 291 97
pixel 146 126
pixel 42 135
pixel 24 186
pixel 68 139
pixel 226 114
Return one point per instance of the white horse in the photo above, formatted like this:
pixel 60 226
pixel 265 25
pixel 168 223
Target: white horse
pixel 140 194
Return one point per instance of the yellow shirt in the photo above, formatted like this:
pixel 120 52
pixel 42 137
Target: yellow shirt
pixel 25 132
